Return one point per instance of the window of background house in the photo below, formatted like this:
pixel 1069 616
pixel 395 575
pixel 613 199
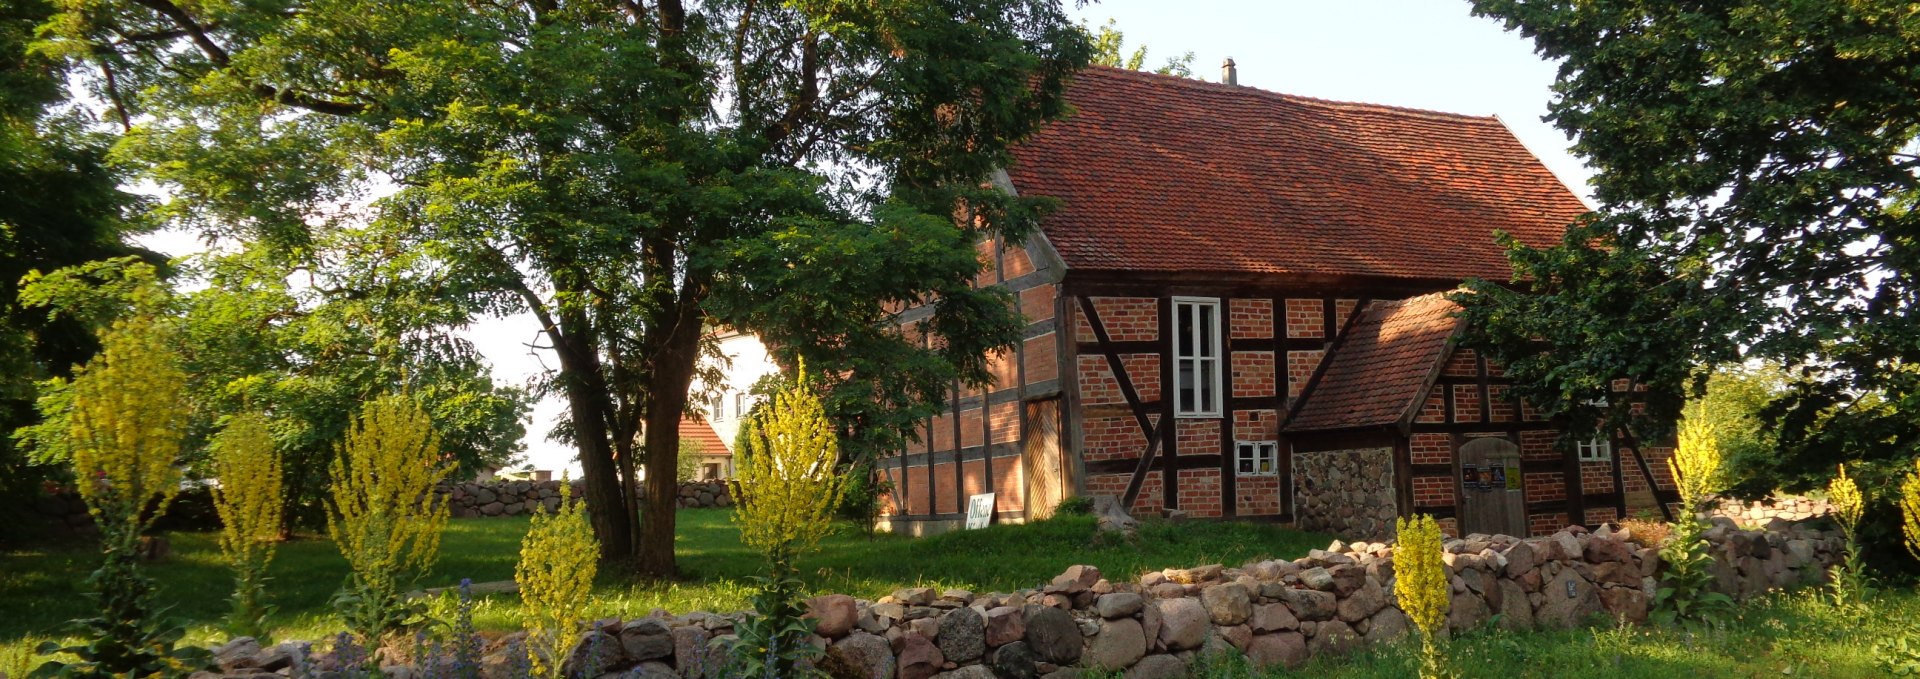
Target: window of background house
pixel 1196 350
pixel 740 404
pixel 719 406
pixel 1596 450
pixel 1257 458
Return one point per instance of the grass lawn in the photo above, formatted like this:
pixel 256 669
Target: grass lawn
pixel 40 590
pixel 1785 635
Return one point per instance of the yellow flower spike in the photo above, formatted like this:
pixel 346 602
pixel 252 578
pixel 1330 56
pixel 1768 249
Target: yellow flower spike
pixel 558 560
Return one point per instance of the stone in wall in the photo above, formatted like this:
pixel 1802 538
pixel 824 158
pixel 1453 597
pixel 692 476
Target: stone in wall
pixel 1345 492
pixel 1791 508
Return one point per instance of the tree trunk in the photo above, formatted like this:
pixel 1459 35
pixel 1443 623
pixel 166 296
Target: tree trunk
pixel 589 402
pixel 666 400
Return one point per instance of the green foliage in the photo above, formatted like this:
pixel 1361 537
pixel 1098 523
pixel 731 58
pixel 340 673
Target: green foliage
pixel 252 341
pixel 1756 179
pixel 626 175
pixel 1910 510
pixel 249 499
pixel 1109 49
pixel 384 515
pixel 773 641
pixel 1078 505
pixel 866 495
pixel 688 467
pixel 558 559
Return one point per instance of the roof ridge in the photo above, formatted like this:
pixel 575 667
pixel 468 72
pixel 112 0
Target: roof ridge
pixel 1293 98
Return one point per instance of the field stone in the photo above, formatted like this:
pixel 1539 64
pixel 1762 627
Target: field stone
pixel 1015 661
pixel 1317 578
pixel 834 615
pixel 1311 604
pixel 915 596
pixel 1183 624
pixel 1158 667
pixel 645 639
pixel 1118 605
pixel 1053 635
pixel 963 635
pixel 1005 625
pixel 1333 636
pixel 867 654
pixel 917 657
pixel 690 650
pixel 1227 604
pixel 1559 610
pixel 237 653
pixel 1284 649
pixel 1273 618
pixel 1515 612
pixel 1387 625
pixel 1467 611
pixel 1363 603
pixel 1118 645
pixel 968 672
pixel 598 652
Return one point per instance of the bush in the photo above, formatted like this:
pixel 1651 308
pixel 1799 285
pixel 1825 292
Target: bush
pixel 1685 592
pixel 1078 505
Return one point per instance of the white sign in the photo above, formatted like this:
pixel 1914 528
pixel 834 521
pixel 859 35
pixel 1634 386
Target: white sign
pixel 979 511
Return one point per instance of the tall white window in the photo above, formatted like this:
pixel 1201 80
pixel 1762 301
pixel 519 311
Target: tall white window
pixel 740 404
pixel 1596 450
pixel 1257 458
pixel 1196 351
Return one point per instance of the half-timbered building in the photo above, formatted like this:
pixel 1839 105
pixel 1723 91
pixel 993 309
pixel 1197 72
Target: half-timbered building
pixel 1234 312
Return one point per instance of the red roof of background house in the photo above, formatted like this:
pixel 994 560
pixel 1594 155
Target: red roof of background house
pixel 1161 173
pixel 1381 367
pixel 703 433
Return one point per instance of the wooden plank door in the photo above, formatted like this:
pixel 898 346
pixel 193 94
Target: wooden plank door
pixel 1040 460
pixel 1492 496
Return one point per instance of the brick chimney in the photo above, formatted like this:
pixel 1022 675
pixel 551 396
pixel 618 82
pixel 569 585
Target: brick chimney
pixel 1228 73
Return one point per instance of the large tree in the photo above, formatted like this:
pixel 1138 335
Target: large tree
pixel 60 204
pixel 1757 163
pixel 625 172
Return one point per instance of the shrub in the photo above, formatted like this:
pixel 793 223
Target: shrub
pixel 124 425
pixel 248 499
pixel 1421 586
pixel 1685 593
pixel 787 489
pixel 558 559
pixel 384 515
pixel 1078 505
pixel 1850 584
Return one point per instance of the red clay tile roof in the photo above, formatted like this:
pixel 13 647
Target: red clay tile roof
pixel 1379 369
pixel 702 433
pixel 1161 173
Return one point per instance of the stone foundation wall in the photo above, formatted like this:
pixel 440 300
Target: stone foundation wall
pixel 1277 613
pixel 1793 508
pixel 517 498
pixel 1345 492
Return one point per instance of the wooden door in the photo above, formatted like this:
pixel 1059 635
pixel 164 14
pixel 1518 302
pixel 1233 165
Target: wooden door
pixel 1492 495
pixel 1040 462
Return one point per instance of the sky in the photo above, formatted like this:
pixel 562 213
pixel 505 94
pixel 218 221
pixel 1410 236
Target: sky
pixel 1430 54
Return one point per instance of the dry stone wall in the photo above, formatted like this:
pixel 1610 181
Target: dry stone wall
pixel 1276 613
pixel 516 498
pixel 1795 508
pixel 1345 492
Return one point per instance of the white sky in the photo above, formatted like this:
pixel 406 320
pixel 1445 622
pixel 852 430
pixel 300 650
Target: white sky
pixel 1428 54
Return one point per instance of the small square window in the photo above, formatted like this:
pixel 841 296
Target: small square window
pixel 1257 458
pixel 1596 450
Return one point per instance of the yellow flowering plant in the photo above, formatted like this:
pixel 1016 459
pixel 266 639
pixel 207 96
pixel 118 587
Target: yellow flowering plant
pixel 1685 592
pixel 1850 584
pixel 1910 509
pixel 1420 585
pixel 125 423
pixel 787 487
pixel 558 559
pixel 384 514
pixel 249 499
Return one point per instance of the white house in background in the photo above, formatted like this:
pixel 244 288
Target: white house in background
pixel 729 402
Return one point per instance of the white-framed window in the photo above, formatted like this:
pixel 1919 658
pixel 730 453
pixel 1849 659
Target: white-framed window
pixel 1596 450
pixel 1256 458
pixel 719 407
pixel 740 404
pixel 1196 351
